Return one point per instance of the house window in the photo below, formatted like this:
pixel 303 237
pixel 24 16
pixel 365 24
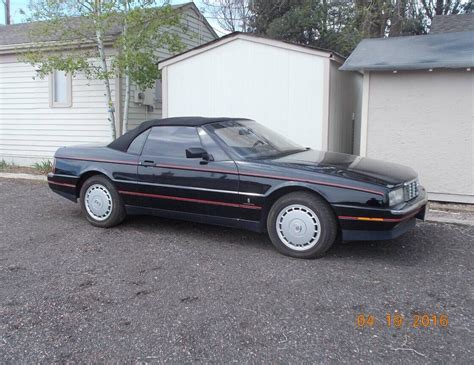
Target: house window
pixel 60 89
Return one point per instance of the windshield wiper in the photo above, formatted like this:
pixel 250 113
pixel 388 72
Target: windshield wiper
pixel 283 154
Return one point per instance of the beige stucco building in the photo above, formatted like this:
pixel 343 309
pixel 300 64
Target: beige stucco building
pixel 418 108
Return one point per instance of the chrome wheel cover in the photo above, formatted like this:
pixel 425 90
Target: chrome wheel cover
pixel 98 202
pixel 298 227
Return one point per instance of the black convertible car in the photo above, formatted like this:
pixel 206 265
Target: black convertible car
pixel 235 172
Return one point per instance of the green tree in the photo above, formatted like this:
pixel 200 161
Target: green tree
pixel 444 7
pixel 264 12
pixel 319 23
pixel 76 36
pixel 340 24
pixel 389 18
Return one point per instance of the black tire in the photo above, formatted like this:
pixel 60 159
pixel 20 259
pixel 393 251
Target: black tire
pixel 117 212
pixel 317 247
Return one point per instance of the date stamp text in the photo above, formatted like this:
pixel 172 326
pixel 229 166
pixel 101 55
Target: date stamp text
pixel 397 320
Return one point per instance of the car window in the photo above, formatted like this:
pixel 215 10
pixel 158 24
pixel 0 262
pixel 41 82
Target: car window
pixel 171 141
pixel 212 147
pixel 136 146
pixel 248 139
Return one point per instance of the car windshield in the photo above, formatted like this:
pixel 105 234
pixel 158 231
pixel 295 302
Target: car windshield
pixel 251 140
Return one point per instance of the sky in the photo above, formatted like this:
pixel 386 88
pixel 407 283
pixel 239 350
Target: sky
pixel 15 6
pixel 17 17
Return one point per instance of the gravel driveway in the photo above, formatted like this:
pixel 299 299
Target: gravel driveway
pixel 155 290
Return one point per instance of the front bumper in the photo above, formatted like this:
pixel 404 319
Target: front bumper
pixel 369 223
pixel 372 235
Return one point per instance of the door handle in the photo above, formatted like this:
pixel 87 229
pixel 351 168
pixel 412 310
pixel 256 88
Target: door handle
pixel 148 163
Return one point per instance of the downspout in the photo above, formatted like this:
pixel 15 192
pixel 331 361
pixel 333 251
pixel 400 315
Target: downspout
pixel 126 102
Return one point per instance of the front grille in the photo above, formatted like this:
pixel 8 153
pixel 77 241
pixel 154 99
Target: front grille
pixel 410 190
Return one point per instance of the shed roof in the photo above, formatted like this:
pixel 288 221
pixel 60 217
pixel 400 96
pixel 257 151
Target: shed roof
pixel 452 23
pixel 252 38
pixel 445 50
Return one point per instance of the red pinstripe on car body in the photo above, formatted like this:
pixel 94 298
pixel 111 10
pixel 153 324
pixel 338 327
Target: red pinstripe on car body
pixel 192 200
pixel 277 177
pixel 61 184
pixel 122 162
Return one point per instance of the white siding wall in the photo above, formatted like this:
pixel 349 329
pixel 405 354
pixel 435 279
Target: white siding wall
pixel 196 33
pixel 344 109
pixel 31 131
pixel 280 88
pixel 426 120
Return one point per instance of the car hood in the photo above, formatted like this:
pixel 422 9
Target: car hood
pixel 349 166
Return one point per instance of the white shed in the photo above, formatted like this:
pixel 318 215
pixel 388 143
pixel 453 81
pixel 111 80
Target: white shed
pixel 293 89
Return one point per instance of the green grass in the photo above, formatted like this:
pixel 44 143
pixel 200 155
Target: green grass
pixel 44 166
pixel 6 166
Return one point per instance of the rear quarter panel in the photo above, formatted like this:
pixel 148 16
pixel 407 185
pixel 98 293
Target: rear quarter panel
pixel 73 165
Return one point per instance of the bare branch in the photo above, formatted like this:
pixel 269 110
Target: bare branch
pixel 231 15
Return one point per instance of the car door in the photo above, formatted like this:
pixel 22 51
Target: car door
pixel 172 179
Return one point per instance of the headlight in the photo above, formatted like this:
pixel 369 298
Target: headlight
pixel 396 197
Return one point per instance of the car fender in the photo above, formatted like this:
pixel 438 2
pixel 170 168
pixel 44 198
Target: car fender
pixel 295 185
pixel 89 171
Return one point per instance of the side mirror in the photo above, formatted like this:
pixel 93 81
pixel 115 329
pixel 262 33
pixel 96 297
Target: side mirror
pixel 197 152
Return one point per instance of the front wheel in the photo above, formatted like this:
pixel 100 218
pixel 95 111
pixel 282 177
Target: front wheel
pixel 302 225
pixel 101 203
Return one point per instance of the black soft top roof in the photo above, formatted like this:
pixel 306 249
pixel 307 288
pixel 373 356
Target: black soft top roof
pixel 122 143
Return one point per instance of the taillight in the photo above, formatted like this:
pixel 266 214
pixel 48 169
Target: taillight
pixel 54 165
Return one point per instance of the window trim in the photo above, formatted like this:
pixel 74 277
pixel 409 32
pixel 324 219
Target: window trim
pixel 55 104
pixel 217 145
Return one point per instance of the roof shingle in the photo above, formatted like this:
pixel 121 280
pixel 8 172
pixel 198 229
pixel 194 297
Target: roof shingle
pixel 16 34
pixel 452 23
pixel 445 50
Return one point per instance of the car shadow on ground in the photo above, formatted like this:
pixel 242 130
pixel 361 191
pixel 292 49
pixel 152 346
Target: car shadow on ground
pixel 395 250
pixel 403 249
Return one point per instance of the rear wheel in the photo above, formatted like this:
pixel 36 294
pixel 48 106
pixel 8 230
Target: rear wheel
pixel 101 203
pixel 302 225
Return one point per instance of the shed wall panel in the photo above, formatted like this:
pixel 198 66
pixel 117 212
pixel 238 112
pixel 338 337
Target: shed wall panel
pixel 345 102
pixel 236 79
